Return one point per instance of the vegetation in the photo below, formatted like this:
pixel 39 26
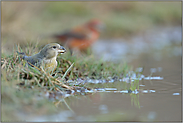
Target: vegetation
pixel 20 82
pixel 69 68
pixel 24 88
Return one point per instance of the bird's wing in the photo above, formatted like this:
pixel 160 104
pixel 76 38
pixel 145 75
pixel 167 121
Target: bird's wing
pixel 67 35
pixel 33 60
pixel 79 33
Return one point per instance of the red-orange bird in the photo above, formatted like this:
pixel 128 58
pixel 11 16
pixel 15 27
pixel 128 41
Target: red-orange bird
pixel 81 37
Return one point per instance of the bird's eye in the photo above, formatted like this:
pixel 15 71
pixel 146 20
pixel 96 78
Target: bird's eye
pixel 54 47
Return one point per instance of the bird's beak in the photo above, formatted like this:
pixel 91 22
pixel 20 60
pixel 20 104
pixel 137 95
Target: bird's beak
pixel 61 50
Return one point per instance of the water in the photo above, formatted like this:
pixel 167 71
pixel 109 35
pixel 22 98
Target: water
pixel 158 97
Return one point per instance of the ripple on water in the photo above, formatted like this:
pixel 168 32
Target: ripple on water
pixel 176 94
pixel 153 78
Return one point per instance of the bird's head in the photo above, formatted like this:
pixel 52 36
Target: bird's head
pixel 52 50
pixel 95 24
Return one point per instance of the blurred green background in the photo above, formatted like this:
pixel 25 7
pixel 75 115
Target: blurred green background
pixel 31 21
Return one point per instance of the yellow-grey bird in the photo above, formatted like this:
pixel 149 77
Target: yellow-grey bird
pixel 46 57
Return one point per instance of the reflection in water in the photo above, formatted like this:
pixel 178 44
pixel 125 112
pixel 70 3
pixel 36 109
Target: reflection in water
pixel 103 109
pixel 152 115
pixel 135 100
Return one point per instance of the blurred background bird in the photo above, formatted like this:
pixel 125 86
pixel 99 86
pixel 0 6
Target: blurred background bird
pixel 81 37
pixel 46 57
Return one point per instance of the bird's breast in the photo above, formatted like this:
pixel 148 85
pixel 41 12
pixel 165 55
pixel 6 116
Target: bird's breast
pixel 50 64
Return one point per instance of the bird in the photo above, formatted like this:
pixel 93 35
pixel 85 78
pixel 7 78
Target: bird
pixel 46 57
pixel 81 37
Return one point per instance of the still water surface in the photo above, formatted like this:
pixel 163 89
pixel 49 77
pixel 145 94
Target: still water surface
pixel 157 100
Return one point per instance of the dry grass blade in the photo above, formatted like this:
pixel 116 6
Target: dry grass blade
pixel 62 84
pixel 3 66
pixel 48 75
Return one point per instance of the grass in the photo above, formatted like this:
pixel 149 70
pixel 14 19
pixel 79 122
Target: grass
pixel 24 22
pixel 69 68
pixel 20 84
